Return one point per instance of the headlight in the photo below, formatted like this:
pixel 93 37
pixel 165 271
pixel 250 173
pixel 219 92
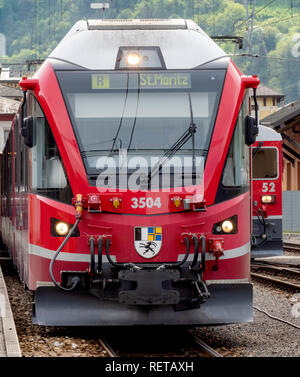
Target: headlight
pixel 59 228
pixel 142 57
pixel 133 59
pixel 268 199
pixel 227 226
pixel 62 229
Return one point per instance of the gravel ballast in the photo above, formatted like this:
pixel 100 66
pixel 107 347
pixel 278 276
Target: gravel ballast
pixel 262 337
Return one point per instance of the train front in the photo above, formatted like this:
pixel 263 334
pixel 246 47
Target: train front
pixel 150 125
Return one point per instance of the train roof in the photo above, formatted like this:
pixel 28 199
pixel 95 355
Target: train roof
pixel 267 134
pixel 94 44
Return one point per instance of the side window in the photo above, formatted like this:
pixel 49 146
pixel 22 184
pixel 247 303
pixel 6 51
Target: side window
pixel 46 172
pixel 236 171
pixel 265 163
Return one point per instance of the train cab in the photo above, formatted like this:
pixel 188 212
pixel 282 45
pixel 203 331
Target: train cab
pixel 267 194
pixel 128 197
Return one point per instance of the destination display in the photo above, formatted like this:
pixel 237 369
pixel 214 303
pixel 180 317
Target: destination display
pixel 147 80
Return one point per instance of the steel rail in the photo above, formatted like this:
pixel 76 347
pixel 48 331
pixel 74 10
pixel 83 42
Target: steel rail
pixel 270 267
pixel 277 281
pixel 108 348
pixel 205 347
pixel 291 246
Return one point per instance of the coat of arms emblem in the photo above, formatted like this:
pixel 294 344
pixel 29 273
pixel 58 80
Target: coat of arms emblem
pixel 147 240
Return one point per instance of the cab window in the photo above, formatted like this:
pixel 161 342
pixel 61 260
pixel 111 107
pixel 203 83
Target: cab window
pixel 264 162
pixel 46 173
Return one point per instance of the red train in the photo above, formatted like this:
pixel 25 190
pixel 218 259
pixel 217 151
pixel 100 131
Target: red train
pixel 267 194
pixel 125 187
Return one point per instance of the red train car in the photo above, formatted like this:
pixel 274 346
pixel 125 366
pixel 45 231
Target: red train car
pixel 267 194
pixel 125 197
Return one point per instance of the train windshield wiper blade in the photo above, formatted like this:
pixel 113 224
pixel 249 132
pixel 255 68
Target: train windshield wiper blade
pixel 175 147
pixel 260 144
pixel 189 133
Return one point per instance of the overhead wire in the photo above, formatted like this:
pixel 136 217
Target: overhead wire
pixel 277 21
pixel 257 12
pixel 62 13
pixel 265 57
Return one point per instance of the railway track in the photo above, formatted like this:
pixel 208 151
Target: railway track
pixel 210 352
pixel 277 269
pixel 290 246
pixel 283 276
pixel 109 350
pixel 114 347
pixel 276 281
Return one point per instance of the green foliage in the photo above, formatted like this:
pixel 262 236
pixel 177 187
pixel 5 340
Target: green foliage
pixel 32 32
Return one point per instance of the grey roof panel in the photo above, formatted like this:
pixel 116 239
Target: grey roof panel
pixel 264 91
pixel 282 115
pixel 98 48
pixel 8 106
pixel 145 24
pixel 8 91
pixel 267 134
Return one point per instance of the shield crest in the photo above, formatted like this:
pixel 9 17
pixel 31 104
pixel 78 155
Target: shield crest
pixel 147 240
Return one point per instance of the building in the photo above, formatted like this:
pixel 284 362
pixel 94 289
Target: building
pixel 6 79
pixel 268 101
pixel 11 92
pixel 8 108
pixel 286 121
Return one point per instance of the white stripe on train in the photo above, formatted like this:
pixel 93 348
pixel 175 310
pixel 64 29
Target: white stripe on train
pixel 81 257
pixel 228 254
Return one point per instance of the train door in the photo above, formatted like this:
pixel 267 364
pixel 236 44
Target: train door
pixel 267 194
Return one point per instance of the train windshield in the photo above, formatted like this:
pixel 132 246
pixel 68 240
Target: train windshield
pixel 142 115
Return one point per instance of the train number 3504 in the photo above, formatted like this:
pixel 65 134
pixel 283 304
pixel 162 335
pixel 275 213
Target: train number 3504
pixel 145 202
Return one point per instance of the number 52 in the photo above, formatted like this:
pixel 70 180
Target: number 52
pixel 268 187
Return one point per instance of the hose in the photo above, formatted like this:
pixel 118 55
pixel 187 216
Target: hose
pixel 92 252
pixel 263 223
pixel 180 263
pixel 117 265
pixel 75 279
pixel 203 253
pixel 99 255
pixel 196 252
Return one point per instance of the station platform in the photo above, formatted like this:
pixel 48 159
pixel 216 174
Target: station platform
pixel 9 343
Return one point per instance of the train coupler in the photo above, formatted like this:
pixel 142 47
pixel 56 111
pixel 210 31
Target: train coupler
pixel 203 293
pixel 148 287
pixel 199 294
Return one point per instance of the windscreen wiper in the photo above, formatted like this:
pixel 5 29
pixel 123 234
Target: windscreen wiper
pixel 175 147
pixel 189 133
pixel 121 120
pixel 260 144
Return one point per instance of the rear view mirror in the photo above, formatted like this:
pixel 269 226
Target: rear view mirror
pixel 251 130
pixel 27 131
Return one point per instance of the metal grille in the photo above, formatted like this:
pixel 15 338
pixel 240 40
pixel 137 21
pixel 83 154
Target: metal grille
pixel 291 211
